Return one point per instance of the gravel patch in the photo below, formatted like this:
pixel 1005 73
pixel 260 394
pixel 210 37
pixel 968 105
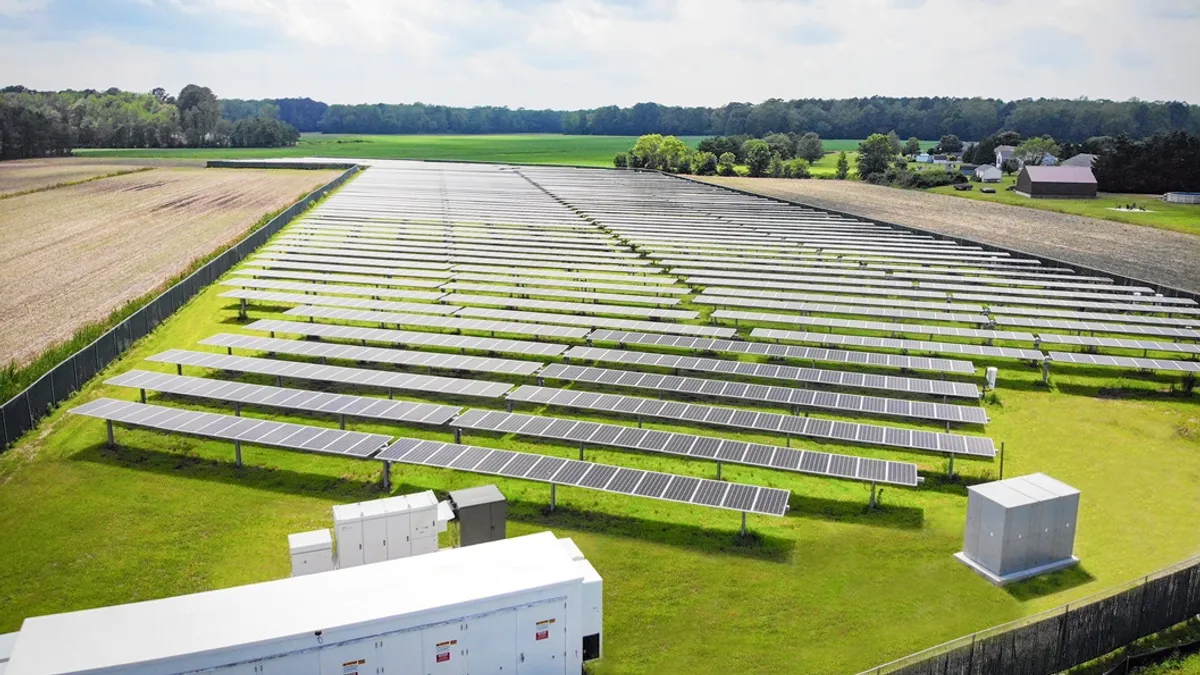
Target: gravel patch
pixel 1157 256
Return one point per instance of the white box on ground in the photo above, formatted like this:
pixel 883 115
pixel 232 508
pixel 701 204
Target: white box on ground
pixel 511 606
pixel 347 525
pixel 1020 527
pixel 311 552
pixel 399 527
pixel 374 531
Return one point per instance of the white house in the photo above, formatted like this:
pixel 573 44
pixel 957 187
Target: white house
pixel 1004 153
pixel 988 174
pixel 923 158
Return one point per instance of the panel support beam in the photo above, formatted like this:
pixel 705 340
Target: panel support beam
pixel 387 476
pixel 109 424
pixel 237 448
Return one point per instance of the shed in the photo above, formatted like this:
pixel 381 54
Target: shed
pixel 482 513
pixel 988 174
pixel 967 170
pixel 1063 182
pixel 1082 159
pixel 924 158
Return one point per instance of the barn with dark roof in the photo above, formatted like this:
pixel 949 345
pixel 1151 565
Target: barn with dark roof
pixel 1064 182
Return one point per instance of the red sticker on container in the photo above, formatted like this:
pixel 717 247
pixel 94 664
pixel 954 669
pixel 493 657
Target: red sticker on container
pixel 542 634
pixel 444 656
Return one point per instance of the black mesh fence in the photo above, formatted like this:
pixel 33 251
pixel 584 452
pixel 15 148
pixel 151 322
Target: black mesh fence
pixel 23 411
pixel 1068 636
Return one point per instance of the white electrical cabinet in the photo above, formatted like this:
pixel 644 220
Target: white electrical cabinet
pixel 1020 527
pixel 388 529
pixel 311 552
pixel 518 606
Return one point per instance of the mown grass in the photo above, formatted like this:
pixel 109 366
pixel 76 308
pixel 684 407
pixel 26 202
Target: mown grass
pixel 831 588
pixel 1165 216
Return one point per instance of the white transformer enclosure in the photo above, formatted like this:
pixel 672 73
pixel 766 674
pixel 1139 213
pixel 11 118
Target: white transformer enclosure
pixel 511 606
pixel 311 552
pixel 1020 527
pixel 389 528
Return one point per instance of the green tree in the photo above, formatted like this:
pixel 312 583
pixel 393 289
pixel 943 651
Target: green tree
pixel 894 140
pixel 673 155
pixel 1010 166
pixel 776 167
pixel 645 152
pixel 810 147
pixel 1034 150
pixel 912 146
pixel 621 160
pixel 781 144
pixel 874 156
pixel 949 143
pixel 725 164
pixel 200 115
pixel 758 157
pixel 843 166
pixel 797 168
pixel 704 163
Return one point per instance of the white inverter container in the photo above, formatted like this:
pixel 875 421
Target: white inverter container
pixel 311 552
pixel 347 526
pixel 511 606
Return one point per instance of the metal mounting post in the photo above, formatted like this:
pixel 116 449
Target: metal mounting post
pixel 873 503
pixel 237 449
pixel 178 368
pixel 743 533
pixel 950 472
pixel 142 392
pixel 342 422
pixel 1046 371
pixel 387 476
pixel 237 408
pixel 457 435
pixel 718 469
pixel 389 394
pixel 581 451
pixel 1001 460
pixel 789 440
pixel 110 433
pixel 639 421
pixel 278 380
pixel 553 496
pixel 508 405
pixel 242 309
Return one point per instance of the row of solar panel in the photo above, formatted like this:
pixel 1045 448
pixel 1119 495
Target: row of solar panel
pixel 831 308
pixel 893 343
pixel 882 326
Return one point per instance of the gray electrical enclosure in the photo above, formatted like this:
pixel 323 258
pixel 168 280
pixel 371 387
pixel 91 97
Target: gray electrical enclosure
pixel 482 512
pixel 1020 528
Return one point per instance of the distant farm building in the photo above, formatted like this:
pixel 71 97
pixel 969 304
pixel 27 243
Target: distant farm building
pixel 924 158
pixel 941 159
pixel 1063 182
pixel 1082 159
pixel 988 174
pixel 1004 153
pixel 967 170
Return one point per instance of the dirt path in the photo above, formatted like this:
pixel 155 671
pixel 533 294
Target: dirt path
pixel 1158 256
pixel 72 255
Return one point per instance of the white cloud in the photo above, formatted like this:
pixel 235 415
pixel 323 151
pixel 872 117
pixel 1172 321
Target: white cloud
pixel 586 53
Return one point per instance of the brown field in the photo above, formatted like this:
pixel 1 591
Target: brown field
pixel 37 174
pixel 72 255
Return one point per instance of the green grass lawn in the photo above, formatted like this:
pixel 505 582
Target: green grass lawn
pixel 830 588
pixel 514 148
pixel 1178 217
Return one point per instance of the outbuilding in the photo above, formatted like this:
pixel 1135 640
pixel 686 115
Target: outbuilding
pixel 1061 182
pixel 987 173
pixel 1082 159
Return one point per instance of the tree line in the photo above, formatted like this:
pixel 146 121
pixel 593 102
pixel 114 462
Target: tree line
pixel 921 117
pixel 52 123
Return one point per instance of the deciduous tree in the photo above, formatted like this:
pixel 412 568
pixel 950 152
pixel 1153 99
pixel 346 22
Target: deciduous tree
pixel 874 156
pixel 810 147
pixel 758 157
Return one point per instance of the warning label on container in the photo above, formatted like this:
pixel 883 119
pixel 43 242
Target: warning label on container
pixel 443 651
pixel 351 667
pixel 542 635
pixel 442 658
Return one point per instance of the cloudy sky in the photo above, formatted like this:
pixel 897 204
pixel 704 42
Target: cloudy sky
pixel 587 53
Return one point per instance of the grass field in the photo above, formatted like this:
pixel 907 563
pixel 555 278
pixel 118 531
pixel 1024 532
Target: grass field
pixel 831 588
pixel 31 175
pixel 1178 217
pixel 514 148
pixel 71 255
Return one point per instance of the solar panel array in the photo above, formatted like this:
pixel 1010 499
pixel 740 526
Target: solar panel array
pixel 233 428
pixel 600 322
pixel 903 345
pixel 694 447
pixel 282 397
pixel 603 477
pixel 1125 362
pixel 1120 343
pixel 402 337
pixel 440 322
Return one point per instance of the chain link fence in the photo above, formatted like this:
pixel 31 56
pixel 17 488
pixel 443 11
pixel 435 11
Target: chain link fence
pixel 1068 636
pixel 23 411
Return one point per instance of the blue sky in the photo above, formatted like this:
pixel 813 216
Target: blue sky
pixel 586 53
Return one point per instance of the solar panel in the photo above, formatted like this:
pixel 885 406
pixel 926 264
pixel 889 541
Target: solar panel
pixel 401 337
pixel 281 397
pixel 329 350
pixel 830 308
pixel 572 283
pixel 835 378
pixel 847 294
pixel 644 278
pixel 402 247
pixel 916 329
pixel 1098 327
pixel 1120 343
pixel 785 351
pixel 904 345
pixel 602 322
pixel 1125 362
pixel 244 282
pixel 703 414
pixel 340 374
pixel 330 277
pixel 339 301
pixel 231 428
pixel 650 484
pixel 1099 316
pixel 333 263
pixel 528 291
pixel 442 322
pixel 576 307
pixel 697 446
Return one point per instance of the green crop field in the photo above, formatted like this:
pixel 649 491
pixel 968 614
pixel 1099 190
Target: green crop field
pixel 515 148
pixel 831 588
pixel 1178 217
